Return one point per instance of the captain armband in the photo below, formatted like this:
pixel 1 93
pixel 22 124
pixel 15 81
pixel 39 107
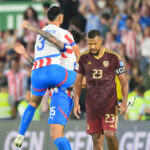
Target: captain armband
pixel 120 70
pixel 30 60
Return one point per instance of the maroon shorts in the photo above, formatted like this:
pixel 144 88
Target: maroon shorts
pixel 98 123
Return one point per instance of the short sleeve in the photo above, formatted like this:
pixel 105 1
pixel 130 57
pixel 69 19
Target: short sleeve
pixel 69 38
pixel 79 68
pixel 119 66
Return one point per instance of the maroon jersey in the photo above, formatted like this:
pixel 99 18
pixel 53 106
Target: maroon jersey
pixel 100 79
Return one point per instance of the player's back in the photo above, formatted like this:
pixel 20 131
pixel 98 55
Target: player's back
pixel 43 48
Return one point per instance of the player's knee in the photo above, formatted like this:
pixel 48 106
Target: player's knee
pixel 97 139
pixel 35 101
pixel 110 134
pixel 56 131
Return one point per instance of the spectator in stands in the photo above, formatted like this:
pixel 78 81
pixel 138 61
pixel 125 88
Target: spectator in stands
pixel 147 104
pixel 44 21
pixel 145 49
pixel 110 42
pixel 136 110
pixel 146 77
pixel 29 37
pixel 16 81
pixel 6 101
pixel 89 9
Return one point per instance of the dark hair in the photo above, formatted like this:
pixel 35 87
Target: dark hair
pixel 3 81
pixel 140 89
pixel 105 16
pixel 129 18
pixel 46 5
pixel 35 15
pixel 77 34
pixel 93 33
pixel 53 12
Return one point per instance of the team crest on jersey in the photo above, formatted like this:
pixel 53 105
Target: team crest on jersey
pixel 89 63
pixel 106 63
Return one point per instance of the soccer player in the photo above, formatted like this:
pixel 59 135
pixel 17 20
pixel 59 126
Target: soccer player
pixel 100 65
pixel 47 72
pixel 63 98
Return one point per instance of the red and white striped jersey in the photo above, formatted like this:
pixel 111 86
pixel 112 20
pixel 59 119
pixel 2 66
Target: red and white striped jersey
pixel 129 40
pixel 44 49
pixel 16 83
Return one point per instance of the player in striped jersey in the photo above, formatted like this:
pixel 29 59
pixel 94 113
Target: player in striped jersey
pixel 47 72
pixel 62 113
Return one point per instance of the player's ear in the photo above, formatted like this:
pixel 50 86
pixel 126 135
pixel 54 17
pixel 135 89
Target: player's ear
pixel 60 18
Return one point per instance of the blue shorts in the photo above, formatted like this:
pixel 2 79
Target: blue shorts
pixel 60 108
pixel 51 76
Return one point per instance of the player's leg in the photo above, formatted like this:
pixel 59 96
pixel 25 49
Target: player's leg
pixel 57 135
pixel 94 128
pixel 112 141
pixel 109 122
pixel 97 141
pixel 34 102
pixel 60 107
pixel 27 118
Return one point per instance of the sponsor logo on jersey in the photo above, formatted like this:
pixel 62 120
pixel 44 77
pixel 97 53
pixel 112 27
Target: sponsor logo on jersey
pixel 106 63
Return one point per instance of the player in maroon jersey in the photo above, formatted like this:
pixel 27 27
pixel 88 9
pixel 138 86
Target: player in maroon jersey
pixel 100 66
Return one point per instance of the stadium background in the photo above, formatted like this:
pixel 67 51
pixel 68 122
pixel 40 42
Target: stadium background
pixel 125 25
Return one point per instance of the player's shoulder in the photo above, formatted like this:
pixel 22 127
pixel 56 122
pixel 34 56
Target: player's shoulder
pixel 84 54
pixel 114 53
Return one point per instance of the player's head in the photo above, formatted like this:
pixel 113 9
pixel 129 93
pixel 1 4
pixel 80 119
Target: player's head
pixel 77 34
pixel 55 14
pixel 94 42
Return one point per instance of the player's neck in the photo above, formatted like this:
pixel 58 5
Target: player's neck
pixel 101 53
pixel 54 23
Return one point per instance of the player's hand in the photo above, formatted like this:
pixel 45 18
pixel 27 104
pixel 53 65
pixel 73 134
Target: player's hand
pixel 26 25
pixel 19 48
pixel 76 110
pixel 123 108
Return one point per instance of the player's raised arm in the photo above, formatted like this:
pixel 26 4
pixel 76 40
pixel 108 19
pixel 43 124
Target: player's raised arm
pixel 49 37
pixel 20 49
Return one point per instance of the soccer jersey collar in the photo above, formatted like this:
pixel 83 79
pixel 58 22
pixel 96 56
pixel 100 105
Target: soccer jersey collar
pixel 101 55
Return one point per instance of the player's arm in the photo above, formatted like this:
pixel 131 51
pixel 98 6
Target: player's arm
pixel 124 89
pixel 49 37
pixel 77 91
pixel 20 49
pixel 76 50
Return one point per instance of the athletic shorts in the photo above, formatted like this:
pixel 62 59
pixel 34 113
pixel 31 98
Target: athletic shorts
pixel 60 107
pixel 51 76
pixel 98 122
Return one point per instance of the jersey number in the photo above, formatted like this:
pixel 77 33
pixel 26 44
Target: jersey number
pixel 109 118
pixel 98 73
pixel 40 47
pixel 52 112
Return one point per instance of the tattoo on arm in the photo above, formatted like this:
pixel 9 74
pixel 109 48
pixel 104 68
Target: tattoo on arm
pixel 49 37
pixel 30 60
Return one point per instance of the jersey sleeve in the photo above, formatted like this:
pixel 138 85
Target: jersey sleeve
pixel 69 38
pixel 79 68
pixel 119 66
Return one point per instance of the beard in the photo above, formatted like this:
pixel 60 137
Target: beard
pixel 95 54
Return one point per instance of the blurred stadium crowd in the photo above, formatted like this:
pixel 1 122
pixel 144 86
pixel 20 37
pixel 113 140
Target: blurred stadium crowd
pixel 125 27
